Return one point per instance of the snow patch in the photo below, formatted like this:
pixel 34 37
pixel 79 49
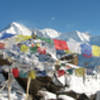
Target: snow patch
pixel 83 36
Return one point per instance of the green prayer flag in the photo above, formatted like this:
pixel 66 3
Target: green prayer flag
pixel 33 49
pixel 46 40
pixel 70 71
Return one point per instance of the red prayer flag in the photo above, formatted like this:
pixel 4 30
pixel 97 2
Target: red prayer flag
pixel 15 72
pixel 2 45
pixel 32 45
pixel 60 73
pixel 60 45
pixel 42 51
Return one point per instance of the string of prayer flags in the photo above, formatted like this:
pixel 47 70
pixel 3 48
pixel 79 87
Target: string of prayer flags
pixel 80 72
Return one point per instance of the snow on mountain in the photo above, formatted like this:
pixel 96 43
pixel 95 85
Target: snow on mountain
pixel 16 28
pixel 83 36
pixel 48 33
pixel 76 35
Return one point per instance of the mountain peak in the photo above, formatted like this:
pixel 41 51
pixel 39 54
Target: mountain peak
pixel 76 35
pixel 52 33
pixel 15 23
pixel 17 28
pixel 84 36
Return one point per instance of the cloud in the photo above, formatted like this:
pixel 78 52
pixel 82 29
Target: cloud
pixel 53 18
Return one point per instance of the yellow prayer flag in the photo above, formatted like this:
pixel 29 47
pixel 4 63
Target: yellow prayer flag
pixel 37 44
pixel 32 74
pixel 9 59
pixel 21 38
pixel 95 50
pixel 24 48
pixel 80 72
pixel 68 51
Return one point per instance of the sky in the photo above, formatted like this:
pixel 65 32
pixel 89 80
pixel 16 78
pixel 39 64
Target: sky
pixel 61 15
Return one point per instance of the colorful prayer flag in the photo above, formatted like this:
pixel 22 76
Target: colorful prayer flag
pixel 20 38
pixel 24 48
pixel 32 74
pixel 80 72
pixel 15 72
pixel 86 50
pixel 70 71
pixel 60 73
pixel 23 74
pixel 46 40
pixel 96 50
pixel 33 49
pixel 60 45
pixel 42 51
pixel 89 71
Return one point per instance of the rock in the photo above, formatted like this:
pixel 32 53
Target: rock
pixel 83 97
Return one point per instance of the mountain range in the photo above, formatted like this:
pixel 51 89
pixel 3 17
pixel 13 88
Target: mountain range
pixel 84 37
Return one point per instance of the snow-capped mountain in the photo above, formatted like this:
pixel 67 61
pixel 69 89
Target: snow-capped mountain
pixel 50 33
pixel 16 28
pixel 77 36
pixel 47 33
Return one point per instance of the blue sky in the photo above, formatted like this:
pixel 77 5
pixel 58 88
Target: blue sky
pixel 62 15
